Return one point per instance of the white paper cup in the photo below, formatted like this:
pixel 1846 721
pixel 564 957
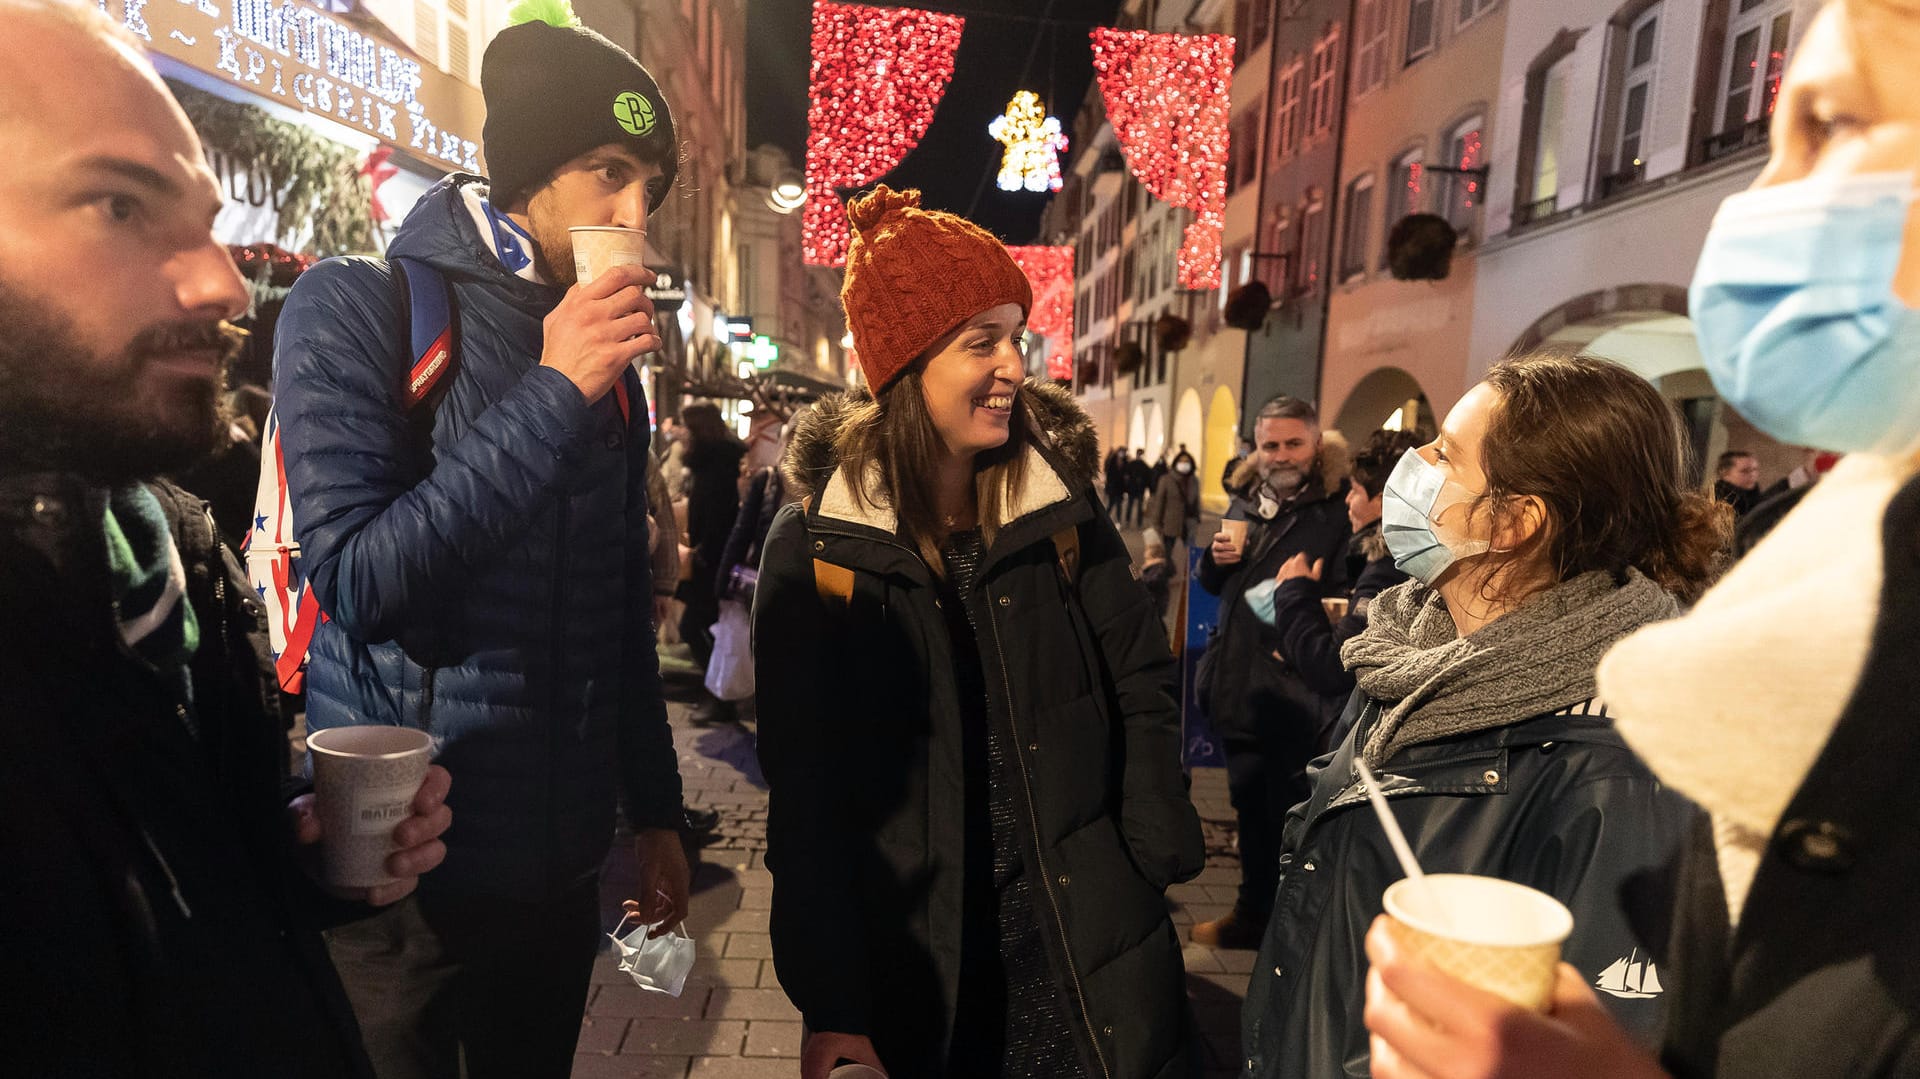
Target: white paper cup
pixel 364 782
pixel 1500 936
pixel 598 248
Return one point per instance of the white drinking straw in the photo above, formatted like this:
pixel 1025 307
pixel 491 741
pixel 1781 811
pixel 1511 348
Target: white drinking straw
pixel 1394 835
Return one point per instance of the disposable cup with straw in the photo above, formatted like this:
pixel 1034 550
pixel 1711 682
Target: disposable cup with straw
pixel 1494 934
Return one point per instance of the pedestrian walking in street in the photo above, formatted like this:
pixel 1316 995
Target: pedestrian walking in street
pixel 1549 520
pixel 1268 718
pixel 1114 474
pixel 1310 636
pixel 1139 484
pixel 1783 702
pixel 713 477
pixel 968 715
pixel 158 915
pixel 489 580
pixel 1174 510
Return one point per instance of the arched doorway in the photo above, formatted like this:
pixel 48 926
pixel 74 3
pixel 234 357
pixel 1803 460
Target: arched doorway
pixel 1645 329
pixel 1223 434
pixel 1388 397
pixel 1189 427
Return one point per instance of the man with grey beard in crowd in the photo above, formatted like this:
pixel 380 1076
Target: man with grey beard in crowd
pixel 153 851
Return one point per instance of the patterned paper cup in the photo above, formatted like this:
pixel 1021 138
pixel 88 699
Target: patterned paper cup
pixel 597 248
pixel 1491 933
pixel 364 780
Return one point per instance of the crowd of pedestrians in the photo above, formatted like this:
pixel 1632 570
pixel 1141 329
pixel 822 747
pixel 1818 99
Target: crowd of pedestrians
pixel 1679 710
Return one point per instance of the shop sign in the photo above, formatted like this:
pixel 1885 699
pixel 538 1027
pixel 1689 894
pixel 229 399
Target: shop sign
pixel 304 58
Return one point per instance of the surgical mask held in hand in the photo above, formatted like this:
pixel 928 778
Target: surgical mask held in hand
pixel 1416 495
pixel 660 964
pixel 1798 322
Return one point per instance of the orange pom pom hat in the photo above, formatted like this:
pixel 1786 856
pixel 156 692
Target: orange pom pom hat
pixel 913 275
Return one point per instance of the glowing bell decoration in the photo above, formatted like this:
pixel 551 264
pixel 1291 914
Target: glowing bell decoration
pixel 1034 143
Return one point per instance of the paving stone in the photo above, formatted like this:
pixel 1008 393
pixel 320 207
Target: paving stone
pixel 684 1037
pixel 743 921
pixel 1200 958
pixel 741 1068
pixel 633 1002
pixel 712 971
pixel 601 1034
pixel 766 1039
pixel 769 978
pixel 756 899
pixel 749 946
pixel 731 1003
pixel 588 1066
pixel 1234 961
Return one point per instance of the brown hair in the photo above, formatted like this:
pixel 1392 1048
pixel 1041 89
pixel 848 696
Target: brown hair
pixel 1600 448
pixel 893 436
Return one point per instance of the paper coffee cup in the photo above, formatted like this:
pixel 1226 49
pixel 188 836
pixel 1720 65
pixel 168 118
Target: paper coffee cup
pixel 1236 531
pixel 1500 936
pixel 597 248
pixel 1336 607
pixel 856 1071
pixel 364 781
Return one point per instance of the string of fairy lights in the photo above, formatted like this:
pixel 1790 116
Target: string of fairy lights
pixel 879 74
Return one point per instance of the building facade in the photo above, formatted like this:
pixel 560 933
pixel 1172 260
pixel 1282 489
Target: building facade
pixel 1621 127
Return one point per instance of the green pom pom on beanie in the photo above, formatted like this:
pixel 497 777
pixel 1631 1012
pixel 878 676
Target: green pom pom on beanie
pixel 552 12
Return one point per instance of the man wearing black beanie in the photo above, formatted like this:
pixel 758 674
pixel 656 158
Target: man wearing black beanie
pixel 482 559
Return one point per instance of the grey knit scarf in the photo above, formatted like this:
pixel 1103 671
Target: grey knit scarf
pixel 1433 683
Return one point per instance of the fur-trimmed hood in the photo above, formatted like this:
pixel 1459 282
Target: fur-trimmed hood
pixel 1060 435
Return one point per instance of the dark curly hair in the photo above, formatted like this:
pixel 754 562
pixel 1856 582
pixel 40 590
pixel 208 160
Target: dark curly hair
pixel 1376 460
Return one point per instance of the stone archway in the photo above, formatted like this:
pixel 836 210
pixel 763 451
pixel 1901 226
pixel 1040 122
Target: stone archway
pixel 1386 394
pixel 1223 437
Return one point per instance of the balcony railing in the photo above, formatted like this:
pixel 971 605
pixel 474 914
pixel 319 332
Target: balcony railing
pixel 1734 140
pixel 1537 210
pixel 1614 183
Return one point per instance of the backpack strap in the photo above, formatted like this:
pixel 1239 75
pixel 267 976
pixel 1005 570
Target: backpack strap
pixel 433 334
pixel 835 583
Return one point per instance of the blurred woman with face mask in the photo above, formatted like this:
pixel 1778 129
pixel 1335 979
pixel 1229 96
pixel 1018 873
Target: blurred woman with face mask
pixel 1783 703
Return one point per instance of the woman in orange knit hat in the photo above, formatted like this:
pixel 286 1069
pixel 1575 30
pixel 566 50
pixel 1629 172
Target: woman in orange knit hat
pixel 968 713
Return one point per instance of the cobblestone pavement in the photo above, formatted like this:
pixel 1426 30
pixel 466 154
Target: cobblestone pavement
pixel 733 1021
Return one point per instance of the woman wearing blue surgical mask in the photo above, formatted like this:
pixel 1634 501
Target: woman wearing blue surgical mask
pixel 1549 520
pixel 1784 703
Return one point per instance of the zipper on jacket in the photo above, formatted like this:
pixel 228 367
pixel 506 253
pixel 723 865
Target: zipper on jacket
pixel 1039 860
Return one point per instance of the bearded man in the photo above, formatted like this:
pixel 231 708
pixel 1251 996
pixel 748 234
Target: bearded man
pixel 1269 719
pixel 151 844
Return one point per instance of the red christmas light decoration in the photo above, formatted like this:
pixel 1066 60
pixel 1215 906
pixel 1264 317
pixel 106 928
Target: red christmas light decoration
pixel 1167 96
pixel 878 74
pixel 1050 271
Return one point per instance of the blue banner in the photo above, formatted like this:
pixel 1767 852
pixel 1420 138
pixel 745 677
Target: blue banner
pixel 1200 746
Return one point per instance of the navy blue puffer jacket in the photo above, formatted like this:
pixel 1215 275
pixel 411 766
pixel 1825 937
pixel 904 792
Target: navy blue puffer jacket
pixel 496 592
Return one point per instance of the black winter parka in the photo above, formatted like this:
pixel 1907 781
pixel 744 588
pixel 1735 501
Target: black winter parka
pixel 861 742
pixel 1558 803
pixel 152 918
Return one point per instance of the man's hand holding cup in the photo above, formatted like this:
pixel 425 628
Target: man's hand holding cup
pixel 372 825
pixel 600 327
pixel 1227 545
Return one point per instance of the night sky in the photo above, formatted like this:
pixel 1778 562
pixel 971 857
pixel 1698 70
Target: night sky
pixel 955 164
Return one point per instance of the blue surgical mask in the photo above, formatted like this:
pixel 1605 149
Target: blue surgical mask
pixel 1799 326
pixel 1416 495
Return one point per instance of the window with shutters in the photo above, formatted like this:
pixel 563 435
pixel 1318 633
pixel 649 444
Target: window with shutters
pixel 1243 150
pixel 1542 126
pixel 1369 44
pixel 1460 192
pixel 1473 9
pixel 1404 195
pixel 426 31
pixel 1358 211
pixel 1286 114
pixel 1422 15
pixel 1756 55
pixel 1313 243
pixel 1320 88
pixel 457 59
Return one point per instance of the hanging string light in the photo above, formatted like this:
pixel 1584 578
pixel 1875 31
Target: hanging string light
pixel 878 74
pixel 1034 143
pixel 1050 271
pixel 1167 97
